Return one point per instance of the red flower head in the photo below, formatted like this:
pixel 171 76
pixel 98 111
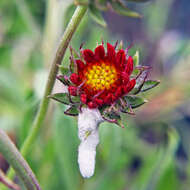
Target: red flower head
pixel 102 77
pixel 108 80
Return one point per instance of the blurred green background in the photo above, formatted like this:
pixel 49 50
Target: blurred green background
pixel 152 152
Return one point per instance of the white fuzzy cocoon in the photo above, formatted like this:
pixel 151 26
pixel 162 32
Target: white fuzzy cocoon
pixel 88 122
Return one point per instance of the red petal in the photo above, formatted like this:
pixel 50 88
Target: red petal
pixel 129 66
pixel 118 92
pixel 108 99
pixel 120 58
pixel 92 105
pixel 129 86
pixel 72 90
pixel 74 78
pixel 125 78
pixel 80 65
pixel 100 52
pixel 110 52
pixel 99 101
pixel 88 55
pixel 83 98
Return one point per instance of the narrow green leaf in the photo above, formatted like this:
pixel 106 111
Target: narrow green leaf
pixel 61 97
pixel 75 99
pixel 136 59
pixel 149 84
pixel 119 8
pixel 72 111
pixel 111 116
pixel 74 53
pixel 135 101
pixel 97 16
pixel 73 57
pixel 128 109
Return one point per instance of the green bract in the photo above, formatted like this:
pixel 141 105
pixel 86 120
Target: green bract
pixel 96 7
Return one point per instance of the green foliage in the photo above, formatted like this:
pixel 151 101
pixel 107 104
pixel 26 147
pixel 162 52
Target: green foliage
pixel 64 70
pixel 61 97
pixel 97 15
pixel 72 111
pixel 135 101
pixel 96 7
pixel 121 9
pixel 149 84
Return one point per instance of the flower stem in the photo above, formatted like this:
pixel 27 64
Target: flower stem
pixel 37 124
pixel 74 22
pixel 15 159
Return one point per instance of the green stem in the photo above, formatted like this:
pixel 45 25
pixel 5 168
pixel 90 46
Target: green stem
pixel 71 28
pixel 74 22
pixel 15 159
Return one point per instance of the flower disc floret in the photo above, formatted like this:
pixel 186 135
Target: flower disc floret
pixel 100 76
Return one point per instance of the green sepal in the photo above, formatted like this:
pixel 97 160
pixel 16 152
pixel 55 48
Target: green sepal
pixel 135 101
pixel 139 82
pixel 63 79
pixel 149 84
pixel 75 99
pixel 72 111
pixel 136 59
pixel 121 9
pixel 64 71
pixel 73 57
pixel 74 53
pixel 127 109
pixel 97 15
pixel 61 97
pixel 111 115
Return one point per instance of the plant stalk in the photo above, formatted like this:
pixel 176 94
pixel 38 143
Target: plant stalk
pixel 15 159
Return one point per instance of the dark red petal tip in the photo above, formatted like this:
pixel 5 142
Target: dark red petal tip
pixel 129 65
pixel 110 52
pixel 80 65
pixel 72 90
pixel 108 99
pixel 129 86
pixel 92 105
pixel 74 78
pixel 99 52
pixel 125 77
pixel 120 58
pixel 99 101
pixel 88 55
pixel 118 92
pixel 83 98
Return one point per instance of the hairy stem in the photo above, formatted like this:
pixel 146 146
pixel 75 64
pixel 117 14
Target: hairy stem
pixel 15 159
pixel 66 38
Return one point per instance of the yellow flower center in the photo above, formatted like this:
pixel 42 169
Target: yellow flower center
pixel 100 77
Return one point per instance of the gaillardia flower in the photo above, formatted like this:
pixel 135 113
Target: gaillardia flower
pixel 102 77
pixel 102 85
